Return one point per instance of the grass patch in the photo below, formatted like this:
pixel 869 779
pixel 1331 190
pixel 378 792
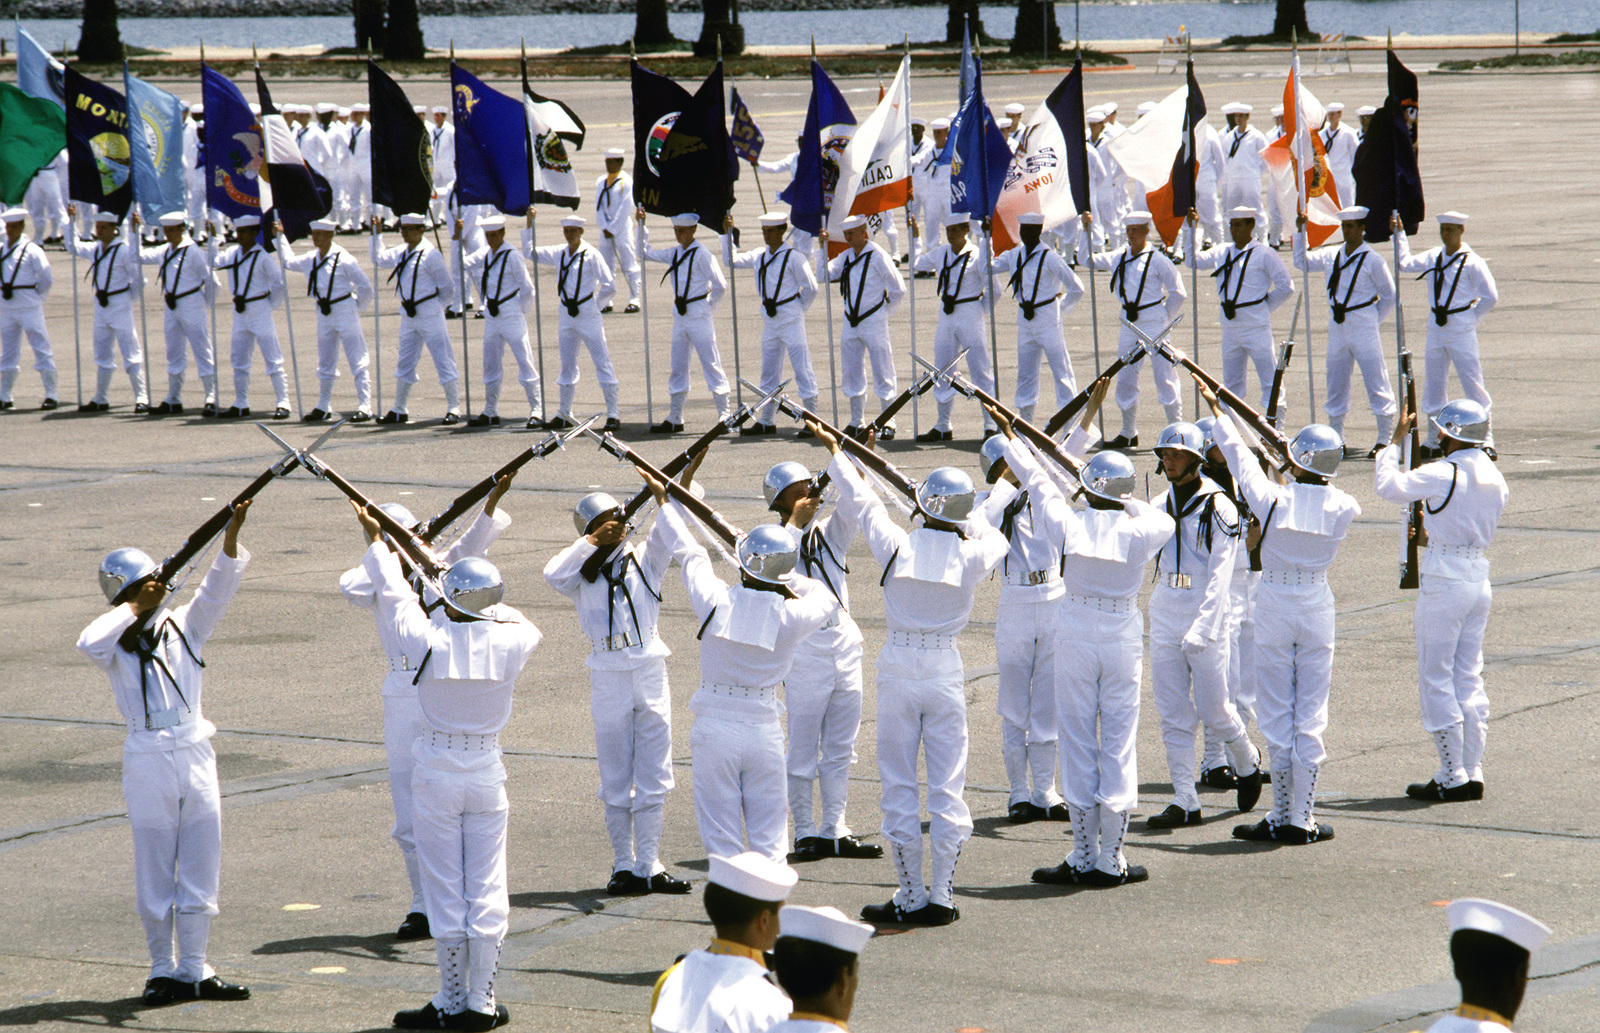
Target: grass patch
pixel 1572 58
pixel 1575 37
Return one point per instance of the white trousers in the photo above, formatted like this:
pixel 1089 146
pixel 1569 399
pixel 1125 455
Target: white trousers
pixel 1025 646
pixel 17 321
pixel 1036 338
pixel 697 333
pixel 1352 343
pixel 632 713
pixel 963 328
pixel 1243 190
pixel 922 707
pixel 342 328
pixel 780 337
pixel 254 328
pixel 185 329
pixel 589 331
pixel 622 251
pixel 1243 346
pixel 113 332
pixel 739 789
pixel 176 814
pixel 425 329
pixel 507 330
pixel 402 723
pixel 1241 660
pixel 460 823
pixel 857 344
pixel 1164 372
pixel 823 696
pixel 1447 347
pixel 1450 620
pixel 1189 689
pixel 1294 670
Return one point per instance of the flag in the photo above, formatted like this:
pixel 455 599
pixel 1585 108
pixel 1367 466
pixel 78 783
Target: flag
pixel 1152 150
pixel 235 157
pixel 684 160
pixel 745 134
pixel 875 168
pixel 299 195
pixel 402 156
pixel 1050 174
pixel 39 74
pixel 816 170
pixel 98 168
pixel 491 145
pixel 1300 176
pixel 969 72
pixel 981 156
pixel 1386 174
pixel 155 142
pixel 1186 166
pixel 550 127
pixel 32 132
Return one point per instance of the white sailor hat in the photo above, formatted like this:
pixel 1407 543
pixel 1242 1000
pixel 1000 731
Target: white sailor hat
pixel 939 123
pixel 1136 219
pixel 440 109
pixel 825 925
pixel 1366 109
pixel 1486 916
pixel 344 112
pixel 920 122
pixel 854 222
pixel 1451 219
pixel 361 106
pixel 492 222
pixel 1015 109
pixel 957 219
pixel 420 109
pixel 14 215
pixel 241 220
pixel 1242 212
pixel 1333 105
pixel 327 108
pixel 615 152
pixel 1277 109
pixel 413 219
pixel 1353 213
pixel 196 108
pixel 172 219
pixel 570 222
pixel 113 218
pixel 753 875
pixel 773 220
pixel 1145 108
pixel 683 219
pixel 1095 114
pixel 1233 107
pixel 1030 219
pixel 1109 107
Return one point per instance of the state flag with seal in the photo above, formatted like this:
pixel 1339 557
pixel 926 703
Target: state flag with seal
pixel 684 160
pixel 99 157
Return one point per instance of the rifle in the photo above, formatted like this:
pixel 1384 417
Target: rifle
pixel 1270 436
pixel 1410 571
pixel 1067 412
pixel 676 465
pixel 1284 353
pixel 478 492
pixel 718 524
pixel 866 456
pixel 1038 437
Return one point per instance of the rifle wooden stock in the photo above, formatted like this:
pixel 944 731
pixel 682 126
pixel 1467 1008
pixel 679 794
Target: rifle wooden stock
pixel 480 491
pixel 882 419
pixel 206 532
pixel 1410 570
pixel 879 465
pixel 1268 434
pixel 678 462
pixel 683 496
pixel 1276 395
pixel 412 548
pixel 1040 438
pixel 1067 412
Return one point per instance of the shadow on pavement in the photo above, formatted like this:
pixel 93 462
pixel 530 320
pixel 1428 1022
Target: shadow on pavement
pixel 585 901
pixel 646 978
pixel 1376 805
pixel 115 1014
pixel 1022 891
pixel 1221 848
pixel 383 946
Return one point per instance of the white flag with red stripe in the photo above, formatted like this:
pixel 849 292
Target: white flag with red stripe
pixel 875 167
pixel 1299 148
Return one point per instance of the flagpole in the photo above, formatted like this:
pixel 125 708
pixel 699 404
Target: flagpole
pixel 1300 188
pixel 911 249
pixel 205 215
pixel 1396 228
pixel 1086 241
pixel 144 321
pixel 1194 269
pixel 77 334
pixel 759 192
pixel 377 328
pixel 461 288
pixel 533 243
pixel 644 292
pixel 827 297
pixel 733 290
pixel 283 270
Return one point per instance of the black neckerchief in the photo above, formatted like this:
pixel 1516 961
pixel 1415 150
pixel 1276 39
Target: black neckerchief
pixel 944 275
pixel 316 267
pixel 1226 272
pixel 813 547
pixel 756 585
pixel 852 310
pixel 616 575
pixel 182 253
pixel 1355 264
pixel 1441 309
pixel 1239 136
pixel 1196 497
pixel 16 270
pixel 249 278
pixel 684 253
pixel 108 255
pixel 563 269
pixel 1119 277
pixel 149 645
pixel 765 261
pixel 605 192
pixel 497 258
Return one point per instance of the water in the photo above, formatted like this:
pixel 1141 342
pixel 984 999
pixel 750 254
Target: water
pixel 1099 20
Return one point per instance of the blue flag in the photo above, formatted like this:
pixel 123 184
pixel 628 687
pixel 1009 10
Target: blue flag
pixel 98 170
pixel 969 73
pixel 979 156
pixel 491 145
pixel 155 140
pixel 745 134
pixel 39 74
pixel 811 183
pixel 235 153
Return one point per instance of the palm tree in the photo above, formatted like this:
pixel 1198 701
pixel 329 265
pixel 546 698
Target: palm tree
pixel 963 14
pixel 1036 32
pixel 403 37
pixel 650 24
pixel 1291 19
pixel 369 25
pixel 100 43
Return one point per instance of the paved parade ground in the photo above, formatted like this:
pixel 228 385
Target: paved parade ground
pixel 1337 937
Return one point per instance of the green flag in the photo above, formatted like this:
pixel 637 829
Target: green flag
pixel 32 133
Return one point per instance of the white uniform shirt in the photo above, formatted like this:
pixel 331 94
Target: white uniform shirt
pixel 1301 524
pixel 1142 281
pixel 316 149
pixel 1038 278
pixel 621 606
pixel 191 152
pixel 1212 160
pixel 613 205
pixel 1463 495
pixel 359 144
pixel 786 164
pixel 1340 144
pixel 1251 282
pixel 784 281
pixel 1205 549
pixel 332 278
pixel 911 600
pixel 469 668
pixel 1034 548
pixel 960 284
pixel 185 268
pixel 252 276
pixel 1241 155
pixel 1359 284
pixel 922 162
pixel 502 278
pixel 710 992
pixel 25 269
pixel 583 277
pixel 824 545
pixel 1453 1023
pixel 443 139
pixel 420 273
pixel 1459 285
pixel 337 136
pixel 868 281
pixel 171 680
pixel 111 266
pixel 696 276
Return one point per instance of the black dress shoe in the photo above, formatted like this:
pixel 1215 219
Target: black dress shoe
pixel 140 408
pixel 415 927
pixel 1476 790
pixel 606 310
pixel 626 884
pixel 933 435
pixel 1172 817
pixel 1433 792
pixel 161 410
pixel 314 416
pixel 209 410
pixel 1105 880
pixel 632 307
pixel 1062 874
pixel 425 1017
pixel 885 433
pixel 613 425
pixel 1249 791
pixel 666 427
pixel 1220 778
pixel 214 989
pixel 233 412
pixel 393 417
pixel 160 991
pixel 1262 831
pixel 853 431
pixel 1024 812
pixel 7 405
pixel 755 430
pixel 931 914
pixel 558 422
pixel 850 846
pixel 1058 812
pixel 803 433
pixel 1123 441
pixel 809 848
pixel 478 1021
pixel 451 419
pixel 90 406
pixel 51 403
pixel 887 913
pixel 1294 835
pixel 484 420
pixel 661 882
pixel 281 413
pixel 1372 453
pixel 360 416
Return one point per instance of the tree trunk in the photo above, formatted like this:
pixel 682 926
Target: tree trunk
pixel 369 25
pixel 717 25
pixel 100 43
pixel 1036 33
pixel 1291 18
pixel 403 36
pixel 650 24
pixel 963 14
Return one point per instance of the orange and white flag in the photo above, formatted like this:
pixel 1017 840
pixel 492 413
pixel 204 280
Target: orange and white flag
pixel 875 168
pixel 1301 180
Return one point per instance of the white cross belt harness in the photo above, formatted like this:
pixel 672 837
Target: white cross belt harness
pixel 1031 578
pixel 446 741
pixel 1294 577
pixel 621 640
pixel 922 640
pixel 1104 604
pixel 767 694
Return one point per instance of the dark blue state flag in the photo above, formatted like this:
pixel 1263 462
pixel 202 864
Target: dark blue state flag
pixel 491 145
pixel 235 155
pixel 816 174
pixel 685 161
pixel 99 157
pixel 980 156
pixel 745 134
pixel 402 156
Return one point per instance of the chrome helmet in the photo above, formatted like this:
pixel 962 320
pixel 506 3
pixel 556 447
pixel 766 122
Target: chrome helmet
pixel 768 553
pixel 1317 449
pixel 1208 431
pixel 472 585
pixel 1108 475
pixel 121 568
pixel 1463 420
pixel 592 507
pixel 779 478
pixel 946 494
pixel 1182 437
pixel 400 514
pixel 991 455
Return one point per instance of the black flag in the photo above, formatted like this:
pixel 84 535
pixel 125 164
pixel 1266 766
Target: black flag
pixel 1186 166
pixel 299 195
pixel 402 156
pixel 1387 179
pixel 684 160
pixel 99 160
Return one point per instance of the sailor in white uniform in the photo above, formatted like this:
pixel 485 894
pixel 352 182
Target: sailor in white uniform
pixel 423 283
pixel 501 273
pixel 1490 947
pixel 816 962
pixel 113 275
pixel 697 288
pixel 25 280
pixel 1045 289
pixel 613 210
pixel 872 289
pixel 584 289
pixel 1251 283
pixel 1243 166
pixel 342 291
pixel 1339 142
pixel 186 288
pixel 254 281
pixel 963 303
pixel 786 286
